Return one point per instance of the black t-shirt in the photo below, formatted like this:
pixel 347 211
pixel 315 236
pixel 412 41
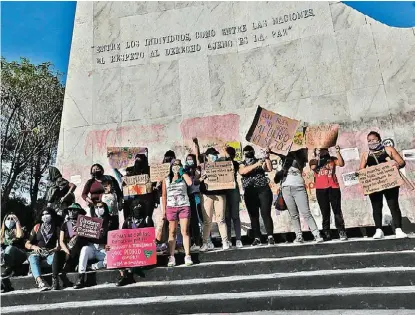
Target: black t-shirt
pixel 36 238
pixel 255 178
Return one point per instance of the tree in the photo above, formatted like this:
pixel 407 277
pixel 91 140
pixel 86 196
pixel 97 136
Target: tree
pixel 31 104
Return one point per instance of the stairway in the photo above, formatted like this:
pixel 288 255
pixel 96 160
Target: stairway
pixel 359 274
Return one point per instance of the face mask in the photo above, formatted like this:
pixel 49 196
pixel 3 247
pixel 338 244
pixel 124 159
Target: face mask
pixel 190 163
pixel 375 146
pixel 97 174
pixel 175 169
pixel 213 158
pixel 10 224
pixel 249 154
pixel 72 215
pixel 46 218
pixel 100 211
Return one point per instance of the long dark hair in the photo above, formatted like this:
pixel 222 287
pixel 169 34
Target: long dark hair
pixel 141 167
pixel 169 156
pixel 374 133
pixel 50 211
pixel 171 175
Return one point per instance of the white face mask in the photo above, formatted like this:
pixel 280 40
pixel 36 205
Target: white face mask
pixel 46 218
pixel 100 211
pixel 10 224
pixel 175 169
pixel 213 157
pixel 190 162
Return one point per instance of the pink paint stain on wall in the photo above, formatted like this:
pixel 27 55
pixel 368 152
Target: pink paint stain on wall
pixel 218 126
pixel 97 141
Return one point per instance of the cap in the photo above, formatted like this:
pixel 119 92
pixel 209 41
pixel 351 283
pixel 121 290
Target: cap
pixel 212 151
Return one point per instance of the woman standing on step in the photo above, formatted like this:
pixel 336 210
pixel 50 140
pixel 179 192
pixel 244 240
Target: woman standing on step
pixel 377 154
pixel 176 207
pixel 295 193
pixel 328 189
pixel 258 194
pixel 44 242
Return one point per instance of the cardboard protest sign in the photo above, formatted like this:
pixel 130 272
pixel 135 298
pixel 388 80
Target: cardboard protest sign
pixel 159 172
pixel 350 154
pixel 88 227
pixel 136 185
pixel 122 157
pixel 238 148
pixel 220 175
pixel 350 179
pixel 272 130
pixel 131 248
pixel 322 136
pixel 379 177
pixel 299 140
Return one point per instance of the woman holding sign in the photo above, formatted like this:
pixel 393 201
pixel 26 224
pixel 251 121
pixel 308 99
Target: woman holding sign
pixel 176 207
pixel 377 154
pixel 258 194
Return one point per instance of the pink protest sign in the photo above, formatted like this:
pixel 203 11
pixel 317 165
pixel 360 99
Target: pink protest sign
pixel 131 248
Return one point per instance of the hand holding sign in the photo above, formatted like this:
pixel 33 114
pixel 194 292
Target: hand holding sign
pixel 89 227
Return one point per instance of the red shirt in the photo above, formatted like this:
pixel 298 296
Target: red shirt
pixel 325 176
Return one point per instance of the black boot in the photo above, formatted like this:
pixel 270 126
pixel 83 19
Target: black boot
pixel 126 278
pixel 55 283
pixel 66 283
pixel 8 272
pixel 80 283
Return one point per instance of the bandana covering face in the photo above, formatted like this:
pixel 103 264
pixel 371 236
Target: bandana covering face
pixel 376 146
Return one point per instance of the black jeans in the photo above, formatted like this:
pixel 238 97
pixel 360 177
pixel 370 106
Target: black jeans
pixel 392 198
pixel 325 198
pixel 259 198
pixel 196 213
pixel 64 262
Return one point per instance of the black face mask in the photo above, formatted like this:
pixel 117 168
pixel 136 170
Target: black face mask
pixel 249 154
pixel 97 174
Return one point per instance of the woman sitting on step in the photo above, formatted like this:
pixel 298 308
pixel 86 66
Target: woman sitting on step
pixel 44 242
pixel 12 244
pixel 94 248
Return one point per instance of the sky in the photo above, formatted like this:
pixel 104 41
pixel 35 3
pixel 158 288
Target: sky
pixel 42 31
pixel 39 31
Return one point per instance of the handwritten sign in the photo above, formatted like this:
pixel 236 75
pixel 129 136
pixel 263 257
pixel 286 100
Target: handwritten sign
pixel 131 248
pixel 135 180
pixel 122 157
pixel 272 130
pixel 159 172
pixel 237 146
pixel 322 136
pixel 299 140
pixel 350 179
pixel 88 227
pixel 379 177
pixel 220 175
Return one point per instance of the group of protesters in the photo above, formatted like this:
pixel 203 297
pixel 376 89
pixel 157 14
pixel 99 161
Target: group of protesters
pixel 186 204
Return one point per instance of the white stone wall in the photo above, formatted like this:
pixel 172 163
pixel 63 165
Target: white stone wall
pixel 330 64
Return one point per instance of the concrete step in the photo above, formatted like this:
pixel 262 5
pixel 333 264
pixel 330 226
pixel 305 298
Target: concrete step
pixel 247 267
pixel 308 280
pixel 401 297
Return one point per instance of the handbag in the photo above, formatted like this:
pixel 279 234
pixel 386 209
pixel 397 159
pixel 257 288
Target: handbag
pixel 279 203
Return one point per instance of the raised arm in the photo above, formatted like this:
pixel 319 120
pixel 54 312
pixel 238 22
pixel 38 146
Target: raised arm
pixel 339 161
pixel 197 150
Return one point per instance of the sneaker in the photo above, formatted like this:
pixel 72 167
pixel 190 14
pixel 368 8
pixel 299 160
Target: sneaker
pixel 230 244
pixel 256 242
pixel 172 262
pixel 42 285
pixel 161 248
pixel 80 283
pixel 271 241
pixel 239 244
pixel 343 235
pixel 225 246
pixel 188 261
pixel 400 234
pixel 318 239
pixel 194 248
pixel 204 248
pixel 299 239
pixel 379 234
pixel 210 245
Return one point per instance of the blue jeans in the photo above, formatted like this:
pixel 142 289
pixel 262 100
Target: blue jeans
pixel 35 259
